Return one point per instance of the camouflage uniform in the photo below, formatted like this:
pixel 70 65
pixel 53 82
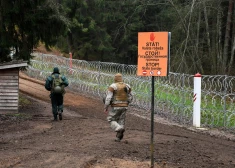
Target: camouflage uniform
pixel 118 97
pixel 56 99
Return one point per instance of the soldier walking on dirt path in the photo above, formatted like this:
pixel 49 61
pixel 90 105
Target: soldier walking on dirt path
pixel 56 83
pixel 118 97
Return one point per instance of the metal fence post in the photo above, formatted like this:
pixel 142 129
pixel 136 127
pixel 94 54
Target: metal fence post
pixel 99 65
pixel 183 99
pixel 123 68
pixel 225 92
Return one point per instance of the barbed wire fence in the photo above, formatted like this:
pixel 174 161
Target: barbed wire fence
pixel 173 94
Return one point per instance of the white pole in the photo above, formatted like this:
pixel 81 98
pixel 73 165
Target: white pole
pixel 197 100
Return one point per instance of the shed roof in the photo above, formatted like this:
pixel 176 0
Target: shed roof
pixel 13 64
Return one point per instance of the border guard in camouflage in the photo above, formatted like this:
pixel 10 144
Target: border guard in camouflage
pixel 118 97
pixel 56 84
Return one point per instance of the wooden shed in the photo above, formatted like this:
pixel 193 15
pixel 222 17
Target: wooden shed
pixel 9 86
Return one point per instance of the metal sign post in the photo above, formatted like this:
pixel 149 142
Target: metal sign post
pixel 153 60
pixel 152 124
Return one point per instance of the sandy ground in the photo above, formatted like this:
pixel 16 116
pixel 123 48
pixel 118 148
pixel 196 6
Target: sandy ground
pixel 84 139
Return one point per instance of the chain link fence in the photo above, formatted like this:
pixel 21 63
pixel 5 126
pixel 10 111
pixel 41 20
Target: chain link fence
pixel 173 94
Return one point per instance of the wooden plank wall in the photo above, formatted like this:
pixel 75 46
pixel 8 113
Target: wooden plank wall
pixel 9 90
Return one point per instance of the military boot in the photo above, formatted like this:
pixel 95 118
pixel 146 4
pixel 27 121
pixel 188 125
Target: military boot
pixel 55 117
pixel 60 115
pixel 120 134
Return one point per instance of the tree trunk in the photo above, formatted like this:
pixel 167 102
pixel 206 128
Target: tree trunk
pixel 70 42
pixel 227 36
pixel 208 37
pixel 233 43
pixel 219 39
pixel 198 59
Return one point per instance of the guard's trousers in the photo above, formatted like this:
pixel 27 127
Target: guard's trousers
pixel 117 117
pixel 57 103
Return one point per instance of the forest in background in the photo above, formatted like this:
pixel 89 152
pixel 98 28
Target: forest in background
pixel 202 31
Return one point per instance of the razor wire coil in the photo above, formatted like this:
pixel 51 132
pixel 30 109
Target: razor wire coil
pixel 173 94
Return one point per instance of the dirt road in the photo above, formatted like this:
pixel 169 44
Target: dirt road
pixel 83 139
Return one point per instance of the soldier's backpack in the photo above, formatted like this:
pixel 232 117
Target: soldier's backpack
pixel 57 85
